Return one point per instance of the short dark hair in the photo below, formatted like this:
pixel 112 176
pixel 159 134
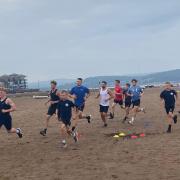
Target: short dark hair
pixel 2 88
pixel 134 80
pixel 54 82
pixel 80 79
pixel 104 82
pixel 118 81
pixel 127 84
pixel 168 83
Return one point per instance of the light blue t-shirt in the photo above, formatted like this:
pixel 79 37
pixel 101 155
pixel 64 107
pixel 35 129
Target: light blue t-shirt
pixel 136 92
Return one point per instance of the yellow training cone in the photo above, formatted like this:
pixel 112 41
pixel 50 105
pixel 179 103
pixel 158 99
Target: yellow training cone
pixel 116 136
pixel 122 135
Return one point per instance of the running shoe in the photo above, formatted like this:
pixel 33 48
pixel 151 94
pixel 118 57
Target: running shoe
pixel 105 125
pixel 75 136
pixel 19 132
pixel 43 133
pixel 111 116
pixel 131 123
pixel 175 119
pixel 64 144
pixel 89 118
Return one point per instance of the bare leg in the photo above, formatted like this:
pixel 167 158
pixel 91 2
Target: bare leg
pixel 44 131
pixel 104 118
pixel 63 132
pixel 17 131
pixel 13 130
pixel 135 111
pixel 48 117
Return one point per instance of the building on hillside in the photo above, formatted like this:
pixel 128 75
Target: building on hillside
pixel 14 82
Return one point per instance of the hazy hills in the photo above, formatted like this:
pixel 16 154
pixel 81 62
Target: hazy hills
pixel 93 82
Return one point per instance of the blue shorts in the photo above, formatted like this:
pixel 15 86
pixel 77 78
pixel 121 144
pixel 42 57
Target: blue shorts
pixel 103 109
pixel 6 121
pixel 136 103
pixel 80 108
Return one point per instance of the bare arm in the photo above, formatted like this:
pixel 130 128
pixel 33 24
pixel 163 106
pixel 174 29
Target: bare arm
pixel 98 95
pixel 111 95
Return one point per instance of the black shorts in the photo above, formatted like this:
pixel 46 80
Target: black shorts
pixel 170 109
pixel 104 109
pixel 6 121
pixel 52 110
pixel 67 122
pixel 128 103
pixel 120 102
pixel 136 103
pixel 80 108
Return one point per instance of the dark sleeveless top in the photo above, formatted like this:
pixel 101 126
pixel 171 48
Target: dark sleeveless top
pixel 5 106
pixel 53 95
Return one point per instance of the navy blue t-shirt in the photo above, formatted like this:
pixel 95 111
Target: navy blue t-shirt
pixel 127 98
pixel 80 92
pixel 169 97
pixel 65 109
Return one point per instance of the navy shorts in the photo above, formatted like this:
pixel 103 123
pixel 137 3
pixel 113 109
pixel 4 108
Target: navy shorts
pixel 136 103
pixel 80 108
pixel 6 121
pixel 120 102
pixel 52 110
pixel 170 109
pixel 67 122
pixel 104 109
pixel 128 103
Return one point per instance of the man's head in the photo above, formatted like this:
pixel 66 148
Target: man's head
pixel 168 85
pixel 53 85
pixel 64 95
pixel 134 82
pixel 79 81
pixel 127 85
pixel 103 84
pixel 3 92
pixel 117 82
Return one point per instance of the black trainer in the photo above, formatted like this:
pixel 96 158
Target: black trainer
pixel 111 116
pixel 75 136
pixel 175 119
pixel 43 132
pixel 89 118
pixel 124 120
pixel 105 125
pixel 169 129
pixel 19 133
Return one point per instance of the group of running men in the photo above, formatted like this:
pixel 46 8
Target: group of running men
pixel 69 106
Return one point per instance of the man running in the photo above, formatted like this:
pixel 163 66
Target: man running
pixel 105 96
pixel 53 101
pixel 127 98
pixel 6 107
pixel 118 91
pixel 169 97
pixel 64 115
pixel 136 92
pixel 80 94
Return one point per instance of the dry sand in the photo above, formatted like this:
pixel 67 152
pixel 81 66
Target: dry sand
pixel 97 156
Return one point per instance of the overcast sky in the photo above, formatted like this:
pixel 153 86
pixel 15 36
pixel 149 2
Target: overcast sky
pixel 47 39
